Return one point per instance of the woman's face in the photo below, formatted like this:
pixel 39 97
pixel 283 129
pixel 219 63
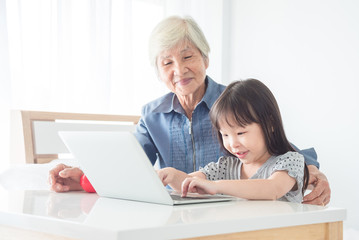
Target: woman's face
pixel 182 68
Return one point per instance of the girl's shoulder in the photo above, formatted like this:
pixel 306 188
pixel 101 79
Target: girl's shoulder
pixel 289 157
pixel 228 159
pixel 292 162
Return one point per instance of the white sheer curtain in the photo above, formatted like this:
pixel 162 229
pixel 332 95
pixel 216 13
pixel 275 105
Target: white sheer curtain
pixel 90 55
pixel 81 56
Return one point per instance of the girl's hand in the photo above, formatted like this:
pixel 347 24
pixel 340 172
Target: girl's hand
pixel 173 177
pixel 198 185
pixel 166 175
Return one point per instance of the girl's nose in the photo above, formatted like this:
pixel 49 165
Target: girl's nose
pixel 234 143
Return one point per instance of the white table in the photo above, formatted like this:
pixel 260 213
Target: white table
pixel 77 215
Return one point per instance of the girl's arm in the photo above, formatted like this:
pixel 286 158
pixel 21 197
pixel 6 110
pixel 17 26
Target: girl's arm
pixel 277 185
pixel 174 178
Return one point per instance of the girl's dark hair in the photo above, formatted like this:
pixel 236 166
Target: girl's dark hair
pixel 250 101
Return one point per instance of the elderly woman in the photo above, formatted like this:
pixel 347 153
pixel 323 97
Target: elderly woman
pixel 175 129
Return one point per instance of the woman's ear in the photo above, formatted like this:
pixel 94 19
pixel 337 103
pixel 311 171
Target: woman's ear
pixel 206 62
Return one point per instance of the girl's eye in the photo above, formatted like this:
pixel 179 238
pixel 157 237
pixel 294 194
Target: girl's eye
pixel 240 133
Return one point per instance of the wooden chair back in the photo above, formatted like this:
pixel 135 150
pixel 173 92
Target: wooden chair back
pixel 34 133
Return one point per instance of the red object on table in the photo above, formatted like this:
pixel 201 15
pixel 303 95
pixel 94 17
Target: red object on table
pixel 86 185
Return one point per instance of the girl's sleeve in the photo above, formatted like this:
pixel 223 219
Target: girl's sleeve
pixel 225 168
pixel 293 163
pixel 210 170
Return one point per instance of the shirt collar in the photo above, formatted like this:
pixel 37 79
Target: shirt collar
pixel 211 94
pixel 209 98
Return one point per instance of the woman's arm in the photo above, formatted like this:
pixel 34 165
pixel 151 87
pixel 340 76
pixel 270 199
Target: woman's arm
pixel 144 138
pixel 310 155
pixel 321 192
pixel 317 180
pixel 63 178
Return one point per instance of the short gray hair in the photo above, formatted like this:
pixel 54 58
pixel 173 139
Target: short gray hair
pixel 173 30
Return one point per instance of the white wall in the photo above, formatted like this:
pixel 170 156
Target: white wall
pixel 307 52
pixel 4 90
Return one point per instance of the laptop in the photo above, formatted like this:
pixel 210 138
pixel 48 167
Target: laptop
pixel 117 167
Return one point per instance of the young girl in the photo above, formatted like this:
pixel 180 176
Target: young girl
pixel 261 163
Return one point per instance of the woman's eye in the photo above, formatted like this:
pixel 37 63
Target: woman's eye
pixel 187 57
pixel 240 133
pixel 167 63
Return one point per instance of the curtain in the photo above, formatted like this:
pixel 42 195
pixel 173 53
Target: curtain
pixel 81 56
pixel 90 56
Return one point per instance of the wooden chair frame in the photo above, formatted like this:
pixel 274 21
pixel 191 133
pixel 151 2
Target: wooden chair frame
pixel 28 117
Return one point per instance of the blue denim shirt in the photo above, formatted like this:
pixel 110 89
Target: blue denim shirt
pixel 167 135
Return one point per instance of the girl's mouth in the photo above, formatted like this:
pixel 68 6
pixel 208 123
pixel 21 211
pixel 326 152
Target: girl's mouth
pixel 241 154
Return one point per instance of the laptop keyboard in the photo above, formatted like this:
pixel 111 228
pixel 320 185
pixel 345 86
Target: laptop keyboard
pixel 179 198
pixel 199 197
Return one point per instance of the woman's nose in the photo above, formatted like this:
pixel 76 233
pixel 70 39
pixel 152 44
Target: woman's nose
pixel 180 69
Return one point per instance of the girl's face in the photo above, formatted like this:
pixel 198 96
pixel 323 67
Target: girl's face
pixel 247 143
pixel 182 69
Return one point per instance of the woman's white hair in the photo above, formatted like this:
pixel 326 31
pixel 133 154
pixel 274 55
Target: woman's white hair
pixel 173 30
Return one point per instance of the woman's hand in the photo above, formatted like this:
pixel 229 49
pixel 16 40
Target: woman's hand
pixel 320 194
pixel 198 185
pixel 63 178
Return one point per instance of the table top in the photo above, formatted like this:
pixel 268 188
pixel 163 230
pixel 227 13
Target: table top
pixel 88 216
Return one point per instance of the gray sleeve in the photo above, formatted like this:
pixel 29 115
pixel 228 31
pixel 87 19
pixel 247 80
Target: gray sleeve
pixel 224 168
pixel 293 163
pixel 210 170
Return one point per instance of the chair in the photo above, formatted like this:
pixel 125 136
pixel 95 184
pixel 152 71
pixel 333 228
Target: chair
pixel 34 134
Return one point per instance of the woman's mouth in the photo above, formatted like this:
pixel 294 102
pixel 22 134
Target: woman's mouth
pixel 183 81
